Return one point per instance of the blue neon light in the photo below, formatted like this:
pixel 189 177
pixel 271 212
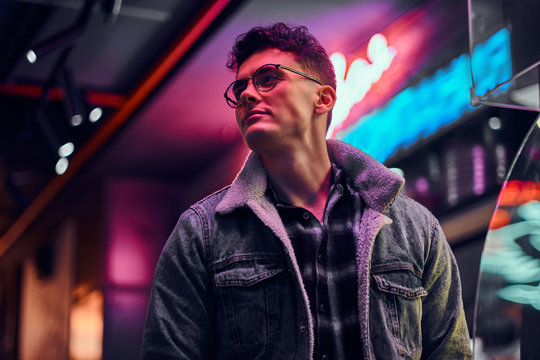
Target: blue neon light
pixel 436 101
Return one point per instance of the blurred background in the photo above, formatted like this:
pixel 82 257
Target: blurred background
pixel 113 122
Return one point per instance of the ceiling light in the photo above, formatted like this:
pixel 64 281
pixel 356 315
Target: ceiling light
pixel 95 114
pixel 76 120
pixel 61 166
pixel 31 56
pixel 494 123
pixel 66 149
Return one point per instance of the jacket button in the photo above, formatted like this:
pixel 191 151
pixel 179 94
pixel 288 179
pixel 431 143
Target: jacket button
pixel 322 308
pixel 305 215
pixel 325 357
pixel 302 328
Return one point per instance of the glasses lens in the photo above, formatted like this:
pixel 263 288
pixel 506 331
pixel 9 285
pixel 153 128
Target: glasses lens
pixel 266 77
pixel 237 88
pixel 233 92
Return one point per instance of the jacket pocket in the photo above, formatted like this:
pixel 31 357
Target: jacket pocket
pixel 398 300
pixel 247 271
pixel 400 283
pixel 247 291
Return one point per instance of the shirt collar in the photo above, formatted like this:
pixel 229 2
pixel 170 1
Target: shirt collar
pixel 376 185
pixel 337 183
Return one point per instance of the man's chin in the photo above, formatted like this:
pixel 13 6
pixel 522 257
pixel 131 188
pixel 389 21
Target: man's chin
pixel 258 139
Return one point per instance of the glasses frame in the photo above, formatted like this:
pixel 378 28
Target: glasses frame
pixel 236 104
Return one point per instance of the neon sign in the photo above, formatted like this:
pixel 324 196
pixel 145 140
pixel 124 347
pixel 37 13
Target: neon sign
pixel 436 101
pixel 353 85
pixel 507 258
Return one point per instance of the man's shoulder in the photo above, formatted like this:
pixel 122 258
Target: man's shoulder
pixel 200 213
pixel 210 202
pixel 407 208
pixel 413 228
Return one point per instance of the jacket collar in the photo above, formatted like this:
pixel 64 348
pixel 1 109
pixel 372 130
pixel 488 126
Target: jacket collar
pixel 376 185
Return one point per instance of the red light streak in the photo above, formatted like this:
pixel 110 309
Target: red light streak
pixel 500 218
pixel 34 91
pixel 517 192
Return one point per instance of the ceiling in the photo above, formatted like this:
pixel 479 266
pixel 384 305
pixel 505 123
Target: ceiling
pixel 157 70
pixel 111 55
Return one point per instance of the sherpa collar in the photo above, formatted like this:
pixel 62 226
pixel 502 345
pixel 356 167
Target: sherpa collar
pixel 376 185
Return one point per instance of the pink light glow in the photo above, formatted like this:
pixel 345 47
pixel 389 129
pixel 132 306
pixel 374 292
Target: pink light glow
pixel 422 186
pixel 128 263
pixel 478 159
pixel 136 231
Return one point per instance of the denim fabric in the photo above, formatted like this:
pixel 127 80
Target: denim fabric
pixel 227 285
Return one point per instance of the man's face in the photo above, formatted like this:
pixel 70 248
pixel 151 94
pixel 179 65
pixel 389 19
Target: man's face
pixel 279 117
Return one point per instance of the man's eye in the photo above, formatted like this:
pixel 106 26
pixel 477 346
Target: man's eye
pixel 238 88
pixel 266 80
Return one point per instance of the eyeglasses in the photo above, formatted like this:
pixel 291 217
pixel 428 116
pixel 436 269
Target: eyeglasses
pixel 265 79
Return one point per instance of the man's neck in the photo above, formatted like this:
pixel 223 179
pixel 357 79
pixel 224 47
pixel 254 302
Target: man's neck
pixel 301 178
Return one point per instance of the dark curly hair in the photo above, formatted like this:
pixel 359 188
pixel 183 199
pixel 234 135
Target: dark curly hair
pixel 294 39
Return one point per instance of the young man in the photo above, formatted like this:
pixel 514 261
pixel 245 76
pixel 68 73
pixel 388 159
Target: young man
pixel 312 252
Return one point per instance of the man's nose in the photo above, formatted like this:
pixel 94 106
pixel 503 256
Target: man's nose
pixel 250 93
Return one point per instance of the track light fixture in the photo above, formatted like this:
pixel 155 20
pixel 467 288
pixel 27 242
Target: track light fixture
pixel 56 138
pixel 72 101
pixel 111 8
pixel 64 38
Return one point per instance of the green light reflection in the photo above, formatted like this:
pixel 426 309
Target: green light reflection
pixel 505 257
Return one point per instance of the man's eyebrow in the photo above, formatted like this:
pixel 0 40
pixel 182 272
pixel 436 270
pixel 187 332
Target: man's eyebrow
pixel 250 75
pixel 239 82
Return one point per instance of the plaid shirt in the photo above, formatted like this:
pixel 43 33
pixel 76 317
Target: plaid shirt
pixel 326 257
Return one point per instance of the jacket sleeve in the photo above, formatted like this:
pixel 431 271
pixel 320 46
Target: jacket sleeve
pixel 181 308
pixel 444 329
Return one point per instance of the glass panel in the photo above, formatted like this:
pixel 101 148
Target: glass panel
pixel 515 22
pixel 507 314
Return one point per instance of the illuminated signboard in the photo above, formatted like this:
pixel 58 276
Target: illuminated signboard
pixel 353 85
pixel 436 101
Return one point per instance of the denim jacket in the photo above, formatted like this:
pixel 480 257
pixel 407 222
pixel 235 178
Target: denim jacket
pixel 228 286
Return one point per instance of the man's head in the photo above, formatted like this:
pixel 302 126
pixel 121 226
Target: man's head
pixel 296 40
pixel 285 87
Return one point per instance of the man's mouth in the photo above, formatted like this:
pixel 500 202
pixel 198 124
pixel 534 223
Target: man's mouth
pixel 253 114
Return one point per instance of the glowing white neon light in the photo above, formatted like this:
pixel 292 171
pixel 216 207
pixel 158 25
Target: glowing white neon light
pixel 353 86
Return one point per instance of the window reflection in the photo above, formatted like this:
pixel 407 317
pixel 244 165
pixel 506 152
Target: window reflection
pixel 507 322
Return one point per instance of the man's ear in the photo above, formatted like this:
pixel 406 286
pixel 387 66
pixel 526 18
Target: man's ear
pixel 326 99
